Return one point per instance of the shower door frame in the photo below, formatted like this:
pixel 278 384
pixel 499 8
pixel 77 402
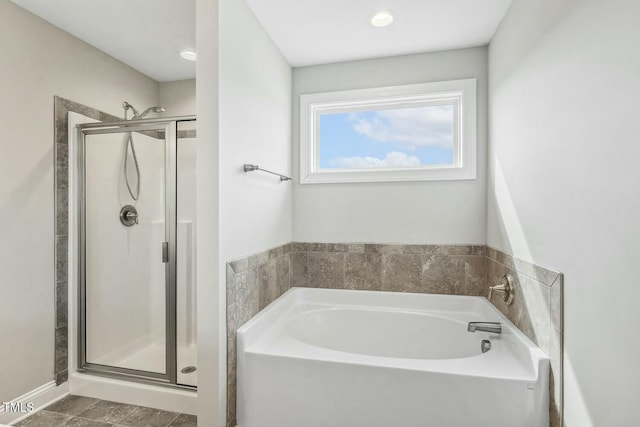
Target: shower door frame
pixel 169 127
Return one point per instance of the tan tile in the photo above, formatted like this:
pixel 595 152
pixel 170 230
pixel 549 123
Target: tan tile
pixel 247 296
pixel 557 293
pixel 535 297
pixel 536 272
pixel 413 249
pixel 326 270
pixel 283 275
pixel 336 247
pixel 299 269
pixel 373 248
pixel 501 257
pixel 442 274
pixel 363 271
pixel 478 250
pixel 267 283
pixel 316 247
pixel 555 356
pixel 355 247
pixel 258 259
pixel 401 272
pixel 475 276
pixel 239 265
pixel 275 252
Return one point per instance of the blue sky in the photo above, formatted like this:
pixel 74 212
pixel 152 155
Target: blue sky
pixel 407 137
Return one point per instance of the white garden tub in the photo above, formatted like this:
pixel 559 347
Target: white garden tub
pixel 339 358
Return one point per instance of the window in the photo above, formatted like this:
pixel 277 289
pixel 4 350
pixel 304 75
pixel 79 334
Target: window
pixel 403 133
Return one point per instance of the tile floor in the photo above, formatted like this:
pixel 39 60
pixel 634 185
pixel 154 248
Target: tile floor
pixel 79 411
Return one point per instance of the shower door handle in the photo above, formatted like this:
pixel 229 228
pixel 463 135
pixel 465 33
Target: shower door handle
pixel 165 252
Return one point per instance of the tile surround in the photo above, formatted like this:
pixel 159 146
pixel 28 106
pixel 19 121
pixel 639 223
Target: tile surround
pixel 254 282
pixel 536 311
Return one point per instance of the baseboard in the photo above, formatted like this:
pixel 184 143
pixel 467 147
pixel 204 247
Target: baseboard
pixel 41 397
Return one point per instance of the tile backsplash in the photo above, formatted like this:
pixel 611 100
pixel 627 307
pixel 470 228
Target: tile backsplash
pixel 255 281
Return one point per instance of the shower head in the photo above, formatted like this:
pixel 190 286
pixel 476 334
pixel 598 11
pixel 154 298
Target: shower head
pixel 137 115
pixel 150 110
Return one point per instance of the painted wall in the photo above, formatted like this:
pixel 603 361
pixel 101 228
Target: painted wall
pixel 37 62
pixel 563 183
pixel 445 212
pixel 246 98
pixel 255 127
pixel 211 294
pixel 178 97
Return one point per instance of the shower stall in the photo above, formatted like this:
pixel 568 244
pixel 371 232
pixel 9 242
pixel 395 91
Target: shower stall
pixel 136 250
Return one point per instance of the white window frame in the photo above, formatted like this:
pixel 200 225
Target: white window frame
pixel 460 93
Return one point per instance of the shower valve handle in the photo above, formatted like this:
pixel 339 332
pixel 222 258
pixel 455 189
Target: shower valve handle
pixel 128 216
pixel 505 287
pixel 132 216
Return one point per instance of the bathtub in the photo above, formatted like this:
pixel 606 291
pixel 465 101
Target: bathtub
pixel 341 358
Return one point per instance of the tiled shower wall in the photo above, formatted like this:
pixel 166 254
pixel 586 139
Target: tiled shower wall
pixel 255 281
pixel 536 311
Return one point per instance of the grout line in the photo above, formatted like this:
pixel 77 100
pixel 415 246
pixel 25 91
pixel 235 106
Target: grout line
pixel 171 422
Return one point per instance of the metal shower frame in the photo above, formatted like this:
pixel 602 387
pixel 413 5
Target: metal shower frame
pixel 169 126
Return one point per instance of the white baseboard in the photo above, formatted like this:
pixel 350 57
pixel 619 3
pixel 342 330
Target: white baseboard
pixel 41 397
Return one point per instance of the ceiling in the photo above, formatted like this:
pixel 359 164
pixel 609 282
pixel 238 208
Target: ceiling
pixel 312 32
pixel 147 35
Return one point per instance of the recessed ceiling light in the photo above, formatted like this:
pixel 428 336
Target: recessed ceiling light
pixel 382 18
pixel 189 55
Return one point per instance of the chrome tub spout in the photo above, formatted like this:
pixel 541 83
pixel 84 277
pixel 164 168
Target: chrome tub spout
pixel 493 327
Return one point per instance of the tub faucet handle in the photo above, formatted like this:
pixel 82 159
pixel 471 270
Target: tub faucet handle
pixel 505 287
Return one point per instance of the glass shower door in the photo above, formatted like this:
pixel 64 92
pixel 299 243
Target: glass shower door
pixel 126 232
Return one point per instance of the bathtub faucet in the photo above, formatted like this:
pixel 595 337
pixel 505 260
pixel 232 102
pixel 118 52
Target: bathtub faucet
pixel 493 327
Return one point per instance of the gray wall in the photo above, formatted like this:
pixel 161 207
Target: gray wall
pixel 39 61
pixel 178 97
pixel 443 212
pixel 563 183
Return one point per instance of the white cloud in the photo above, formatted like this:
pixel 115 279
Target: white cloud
pixel 413 127
pixel 393 159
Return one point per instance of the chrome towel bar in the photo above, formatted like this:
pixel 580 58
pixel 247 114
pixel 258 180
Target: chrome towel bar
pixel 251 168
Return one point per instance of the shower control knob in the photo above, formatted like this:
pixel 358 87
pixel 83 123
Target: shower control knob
pixel 128 215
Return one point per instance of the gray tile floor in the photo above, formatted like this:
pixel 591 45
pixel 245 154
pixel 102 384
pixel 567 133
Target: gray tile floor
pixel 79 411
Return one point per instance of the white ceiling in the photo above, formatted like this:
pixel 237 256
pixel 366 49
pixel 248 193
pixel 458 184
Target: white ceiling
pixel 148 35
pixel 312 32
